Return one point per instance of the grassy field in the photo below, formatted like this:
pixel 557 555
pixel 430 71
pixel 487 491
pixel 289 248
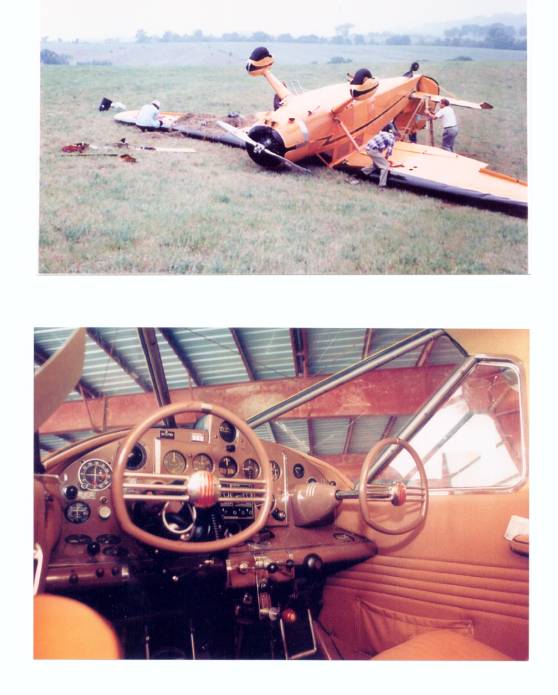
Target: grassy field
pixel 214 211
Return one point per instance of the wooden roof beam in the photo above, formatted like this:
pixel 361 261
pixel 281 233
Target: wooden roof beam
pixel 388 429
pixel 299 344
pixel 304 338
pixel 349 434
pixel 425 353
pixel 150 347
pixel 181 355
pixel 292 335
pixel 311 436
pixel 367 344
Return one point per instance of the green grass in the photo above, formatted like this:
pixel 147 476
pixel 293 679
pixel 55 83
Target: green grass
pixel 216 212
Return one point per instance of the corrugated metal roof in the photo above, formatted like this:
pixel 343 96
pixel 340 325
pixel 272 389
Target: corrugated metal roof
pixel 269 351
pixel 293 433
pixel 367 430
pixel 445 351
pixel 216 360
pixel 175 372
pixel 213 354
pixel 104 373
pixel 265 432
pixel 329 435
pixel 330 350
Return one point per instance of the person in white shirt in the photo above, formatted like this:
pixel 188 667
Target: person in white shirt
pixel 148 116
pixel 449 124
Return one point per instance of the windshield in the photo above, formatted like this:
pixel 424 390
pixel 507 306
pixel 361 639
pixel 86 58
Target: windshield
pixel 475 438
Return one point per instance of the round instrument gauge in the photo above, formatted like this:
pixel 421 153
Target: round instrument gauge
pixel 136 458
pixel 202 462
pixel 94 474
pixel 298 470
pixel 275 470
pixel 174 462
pixel 227 467
pixel 251 469
pixel 227 432
pixel 78 512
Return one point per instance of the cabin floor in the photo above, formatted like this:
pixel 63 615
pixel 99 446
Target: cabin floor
pixel 199 619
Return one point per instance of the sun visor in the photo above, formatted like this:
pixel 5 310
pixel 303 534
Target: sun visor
pixel 58 376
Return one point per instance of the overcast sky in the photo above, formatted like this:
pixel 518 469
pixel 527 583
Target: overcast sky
pixel 69 19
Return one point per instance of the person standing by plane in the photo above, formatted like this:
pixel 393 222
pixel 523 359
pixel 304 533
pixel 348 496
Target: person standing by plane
pixel 379 148
pixel 449 124
pixel 148 116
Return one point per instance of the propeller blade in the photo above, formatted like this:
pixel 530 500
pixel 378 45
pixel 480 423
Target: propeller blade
pixel 241 135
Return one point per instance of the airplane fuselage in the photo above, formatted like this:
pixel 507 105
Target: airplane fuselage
pixel 318 122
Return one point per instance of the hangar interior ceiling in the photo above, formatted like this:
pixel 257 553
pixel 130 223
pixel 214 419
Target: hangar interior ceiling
pixel 247 370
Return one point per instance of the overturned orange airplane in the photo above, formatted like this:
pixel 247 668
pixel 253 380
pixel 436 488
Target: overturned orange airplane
pixel 334 123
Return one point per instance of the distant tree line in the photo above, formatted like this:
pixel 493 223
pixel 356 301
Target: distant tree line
pixel 488 36
pixel 469 35
pixel 53 58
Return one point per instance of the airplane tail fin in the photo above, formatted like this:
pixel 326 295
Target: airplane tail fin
pixel 436 98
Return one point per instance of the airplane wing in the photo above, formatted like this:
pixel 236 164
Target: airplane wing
pixel 129 118
pixel 436 98
pixel 437 172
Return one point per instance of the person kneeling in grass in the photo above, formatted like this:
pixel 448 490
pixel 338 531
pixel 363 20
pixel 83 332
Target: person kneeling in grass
pixel 379 148
pixel 148 116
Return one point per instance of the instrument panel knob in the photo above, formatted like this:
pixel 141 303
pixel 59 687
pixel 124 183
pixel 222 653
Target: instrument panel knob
pixel 313 563
pixel 71 492
pixel 93 548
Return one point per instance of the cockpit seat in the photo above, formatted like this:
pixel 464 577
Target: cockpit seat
pixel 442 645
pixel 68 629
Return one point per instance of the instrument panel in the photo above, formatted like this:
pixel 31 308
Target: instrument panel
pixel 92 547
pixel 218 448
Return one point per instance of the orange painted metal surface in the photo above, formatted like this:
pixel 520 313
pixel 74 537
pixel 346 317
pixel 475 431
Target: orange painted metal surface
pixel 312 122
pixel 447 168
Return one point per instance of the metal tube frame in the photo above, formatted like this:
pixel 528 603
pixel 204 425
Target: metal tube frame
pixel 373 361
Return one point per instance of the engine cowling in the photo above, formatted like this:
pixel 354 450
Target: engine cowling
pixel 271 140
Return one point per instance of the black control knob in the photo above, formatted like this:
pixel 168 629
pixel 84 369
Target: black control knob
pixel 100 572
pixel 71 492
pixel 273 567
pixel 93 548
pixel 264 586
pixel 289 564
pixel 313 564
pixel 74 579
pixel 278 514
